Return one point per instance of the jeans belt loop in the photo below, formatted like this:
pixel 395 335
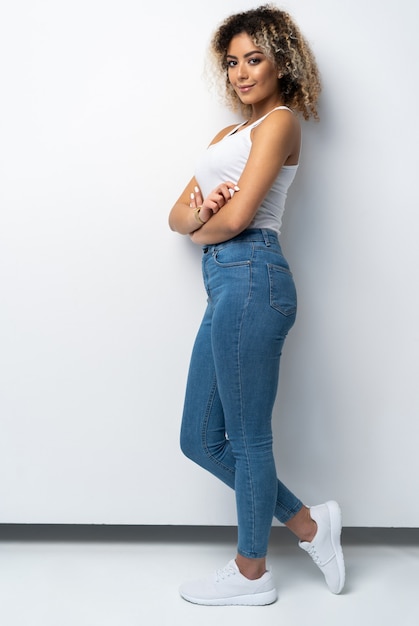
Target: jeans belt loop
pixel 266 237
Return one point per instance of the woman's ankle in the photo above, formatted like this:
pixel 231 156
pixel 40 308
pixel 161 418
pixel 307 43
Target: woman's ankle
pixel 251 568
pixel 302 525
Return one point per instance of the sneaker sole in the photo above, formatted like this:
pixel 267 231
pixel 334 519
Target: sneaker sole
pixel 336 529
pixel 253 599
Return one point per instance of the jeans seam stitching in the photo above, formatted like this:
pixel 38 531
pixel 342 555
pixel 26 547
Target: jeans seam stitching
pixel 205 446
pixel 241 407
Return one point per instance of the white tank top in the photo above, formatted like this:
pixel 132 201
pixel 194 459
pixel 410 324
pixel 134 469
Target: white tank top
pixel 226 159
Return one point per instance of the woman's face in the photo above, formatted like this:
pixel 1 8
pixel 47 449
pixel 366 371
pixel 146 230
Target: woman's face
pixel 252 75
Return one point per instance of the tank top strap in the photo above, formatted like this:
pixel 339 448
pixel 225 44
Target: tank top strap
pixel 283 107
pixel 236 128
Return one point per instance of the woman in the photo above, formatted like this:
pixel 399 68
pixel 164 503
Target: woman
pixel 233 207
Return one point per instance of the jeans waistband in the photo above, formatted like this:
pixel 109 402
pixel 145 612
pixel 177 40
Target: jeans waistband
pixel 265 235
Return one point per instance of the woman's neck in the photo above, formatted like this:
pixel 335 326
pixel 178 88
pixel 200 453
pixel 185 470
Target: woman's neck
pixel 260 111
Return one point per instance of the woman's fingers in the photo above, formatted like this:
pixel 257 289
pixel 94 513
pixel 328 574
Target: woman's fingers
pixel 227 190
pixel 216 199
pixel 224 193
pixel 198 196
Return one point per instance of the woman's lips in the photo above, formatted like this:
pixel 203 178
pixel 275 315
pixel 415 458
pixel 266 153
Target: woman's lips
pixel 244 88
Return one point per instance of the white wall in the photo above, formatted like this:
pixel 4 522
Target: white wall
pixel 103 111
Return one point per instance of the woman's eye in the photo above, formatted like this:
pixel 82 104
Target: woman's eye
pixel 231 63
pixel 254 61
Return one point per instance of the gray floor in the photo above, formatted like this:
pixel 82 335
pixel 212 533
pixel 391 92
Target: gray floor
pixel 126 576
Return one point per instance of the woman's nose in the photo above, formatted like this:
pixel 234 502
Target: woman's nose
pixel 242 70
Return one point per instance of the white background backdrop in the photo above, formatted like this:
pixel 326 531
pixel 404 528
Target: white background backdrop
pixel 103 110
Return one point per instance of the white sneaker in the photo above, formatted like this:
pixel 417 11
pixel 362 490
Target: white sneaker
pixel 325 549
pixel 228 586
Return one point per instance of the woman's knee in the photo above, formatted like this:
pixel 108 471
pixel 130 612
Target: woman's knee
pixel 203 453
pixel 190 446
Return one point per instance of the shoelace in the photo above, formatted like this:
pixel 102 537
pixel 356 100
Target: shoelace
pixel 316 558
pixel 312 552
pixel 225 572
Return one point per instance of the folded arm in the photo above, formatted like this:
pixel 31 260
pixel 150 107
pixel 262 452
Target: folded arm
pixel 275 141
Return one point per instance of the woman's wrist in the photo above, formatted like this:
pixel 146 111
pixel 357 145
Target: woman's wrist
pixel 197 215
pixel 202 215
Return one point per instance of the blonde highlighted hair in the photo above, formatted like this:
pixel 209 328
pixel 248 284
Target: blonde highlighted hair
pixel 280 39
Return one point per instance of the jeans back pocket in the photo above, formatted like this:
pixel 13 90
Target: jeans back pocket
pixel 283 295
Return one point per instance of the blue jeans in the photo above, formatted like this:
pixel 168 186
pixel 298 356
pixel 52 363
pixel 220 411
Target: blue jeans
pixel 233 379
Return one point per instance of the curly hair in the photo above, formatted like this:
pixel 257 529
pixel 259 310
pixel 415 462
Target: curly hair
pixel 279 38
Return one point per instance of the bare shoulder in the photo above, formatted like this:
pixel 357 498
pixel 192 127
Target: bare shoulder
pixel 279 122
pixel 279 133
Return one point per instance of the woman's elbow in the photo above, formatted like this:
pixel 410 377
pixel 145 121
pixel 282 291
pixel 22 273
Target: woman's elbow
pixel 236 224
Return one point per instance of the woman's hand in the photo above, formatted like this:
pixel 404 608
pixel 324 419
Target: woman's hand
pixel 205 213
pixel 214 201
